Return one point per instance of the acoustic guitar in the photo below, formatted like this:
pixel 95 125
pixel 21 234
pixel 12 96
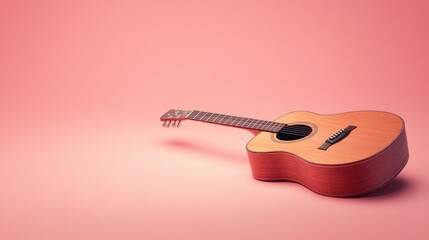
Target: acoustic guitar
pixel 341 155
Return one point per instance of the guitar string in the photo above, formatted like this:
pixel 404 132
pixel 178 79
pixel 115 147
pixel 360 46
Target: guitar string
pixel 304 131
pixel 293 130
pixel 264 126
pixel 296 132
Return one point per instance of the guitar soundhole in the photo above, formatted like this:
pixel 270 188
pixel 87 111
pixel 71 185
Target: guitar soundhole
pixel 294 132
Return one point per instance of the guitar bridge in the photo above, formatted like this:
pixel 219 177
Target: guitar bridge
pixel 336 137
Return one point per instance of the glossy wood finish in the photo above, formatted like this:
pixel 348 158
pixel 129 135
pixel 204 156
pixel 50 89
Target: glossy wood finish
pixel 374 153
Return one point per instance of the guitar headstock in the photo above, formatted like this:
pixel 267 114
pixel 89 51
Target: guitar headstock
pixel 174 117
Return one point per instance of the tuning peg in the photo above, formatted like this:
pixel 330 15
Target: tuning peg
pixel 164 124
pixel 178 124
pixel 174 124
pixel 169 123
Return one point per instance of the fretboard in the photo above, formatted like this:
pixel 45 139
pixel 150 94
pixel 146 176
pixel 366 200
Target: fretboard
pixel 234 121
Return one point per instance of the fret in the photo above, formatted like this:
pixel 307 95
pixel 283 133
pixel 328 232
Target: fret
pixel 250 123
pixel 194 113
pixel 271 126
pixel 238 119
pixel 279 127
pixel 276 126
pixel 265 125
pixel 231 120
pixel 207 116
pixel 234 118
pixel 238 124
pixel 220 120
pixel 202 114
pixel 242 122
pixel 214 119
pixel 254 123
pixel 227 120
pixel 204 117
pixel 261 126
pixel 258 124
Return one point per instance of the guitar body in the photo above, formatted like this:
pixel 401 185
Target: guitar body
pixel 371 155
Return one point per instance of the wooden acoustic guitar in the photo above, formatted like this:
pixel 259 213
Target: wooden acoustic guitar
pixel 340 155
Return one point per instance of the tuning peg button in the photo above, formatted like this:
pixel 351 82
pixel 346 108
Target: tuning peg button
pixel 164 124
pixel 168 124
pixel 178 124
pixel 174 124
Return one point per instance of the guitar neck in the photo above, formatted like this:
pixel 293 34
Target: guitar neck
pixel 235 121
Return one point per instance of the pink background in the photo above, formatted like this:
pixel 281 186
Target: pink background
pixel 83 84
